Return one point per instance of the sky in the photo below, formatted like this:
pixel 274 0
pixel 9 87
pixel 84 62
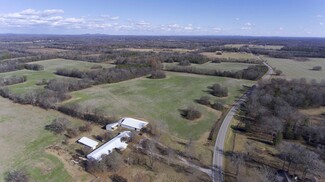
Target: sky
pixel 294 18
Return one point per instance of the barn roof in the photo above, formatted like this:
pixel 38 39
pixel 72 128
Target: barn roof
pixel 88 142
pixel 134 123
pixel 108 147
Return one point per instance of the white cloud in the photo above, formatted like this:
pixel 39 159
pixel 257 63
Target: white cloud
pixel 53 11
pixel 280 28
pixel 189 27
pixel 237 19
pixel 142 23
pixel 248 24
pixel 319 16
pixel 246 28
pixel 55 19
pixel 115 18
pixel 74 20
pixel 321 23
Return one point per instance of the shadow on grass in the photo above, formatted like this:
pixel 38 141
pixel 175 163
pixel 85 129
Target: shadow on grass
pixel 261 141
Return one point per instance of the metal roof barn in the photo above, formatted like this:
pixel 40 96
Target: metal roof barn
pixel 108 147
pixel 133 124
pixel 88 142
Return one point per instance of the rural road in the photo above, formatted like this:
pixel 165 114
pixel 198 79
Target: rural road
pixel 217 163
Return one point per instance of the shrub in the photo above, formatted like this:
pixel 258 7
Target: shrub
pixel 219 91
pixel 58 125
pixel 217 106
pixel 85 128
pixel 117 178
pixel 72 132
pixel 204 100
pixel 159 74
pixel 111 162
pixel 17 176
pixel 278 72
pixel 185 63
pixel 191 113
pixel 277 138
pixel 35 67
pixel 107 136
pixel 317 68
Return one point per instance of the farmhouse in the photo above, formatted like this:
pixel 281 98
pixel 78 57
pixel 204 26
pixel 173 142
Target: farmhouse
pixel 88 142
pixel 132 124
pixel 107 148
pixel 112 127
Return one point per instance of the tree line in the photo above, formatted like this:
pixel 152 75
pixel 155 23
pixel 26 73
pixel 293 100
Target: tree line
pixel 251 73
pixel 5 81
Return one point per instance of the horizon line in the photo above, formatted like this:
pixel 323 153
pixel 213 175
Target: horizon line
pixel 161 35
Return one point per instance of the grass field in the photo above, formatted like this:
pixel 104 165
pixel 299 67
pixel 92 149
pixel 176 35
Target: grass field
pixel 160 100
pixel 23 141
pixel 295 69
pixel 50 66
pixel 224 66
pixel 229 55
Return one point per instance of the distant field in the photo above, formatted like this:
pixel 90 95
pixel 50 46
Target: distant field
pixel 295 69
pixel 224 66
pixel 229 55
pixel 50 66
pixel 160 100
pixel 45 50
pixel 23 141
pixel 32 78
pixel 157 50
pixel 273 47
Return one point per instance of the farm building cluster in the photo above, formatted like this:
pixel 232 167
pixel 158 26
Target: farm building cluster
pixel 118 142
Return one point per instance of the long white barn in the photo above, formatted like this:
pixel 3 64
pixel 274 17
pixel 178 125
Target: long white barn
pixel 108 147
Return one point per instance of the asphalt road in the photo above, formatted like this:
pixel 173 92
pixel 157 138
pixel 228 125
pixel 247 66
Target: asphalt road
pixel 217 164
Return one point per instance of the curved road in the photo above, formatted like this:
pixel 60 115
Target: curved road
pixel 217 164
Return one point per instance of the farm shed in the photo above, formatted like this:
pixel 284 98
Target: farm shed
pixel 107 148
pixel 112 126
pixel 88 142
pixel 132 124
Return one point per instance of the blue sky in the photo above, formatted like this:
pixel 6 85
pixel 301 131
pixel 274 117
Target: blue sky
pixel 165 17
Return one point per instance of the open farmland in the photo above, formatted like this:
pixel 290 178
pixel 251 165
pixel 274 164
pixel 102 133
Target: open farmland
pixel 23 141
pixel 296 69
pixel 223 66
pixel 160 100
pixel 230 55
pixel 50 66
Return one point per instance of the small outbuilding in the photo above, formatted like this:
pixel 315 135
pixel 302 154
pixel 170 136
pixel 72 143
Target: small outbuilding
pixel 112 126
pixel 132 124
pixel 107 148
pixel 88 142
